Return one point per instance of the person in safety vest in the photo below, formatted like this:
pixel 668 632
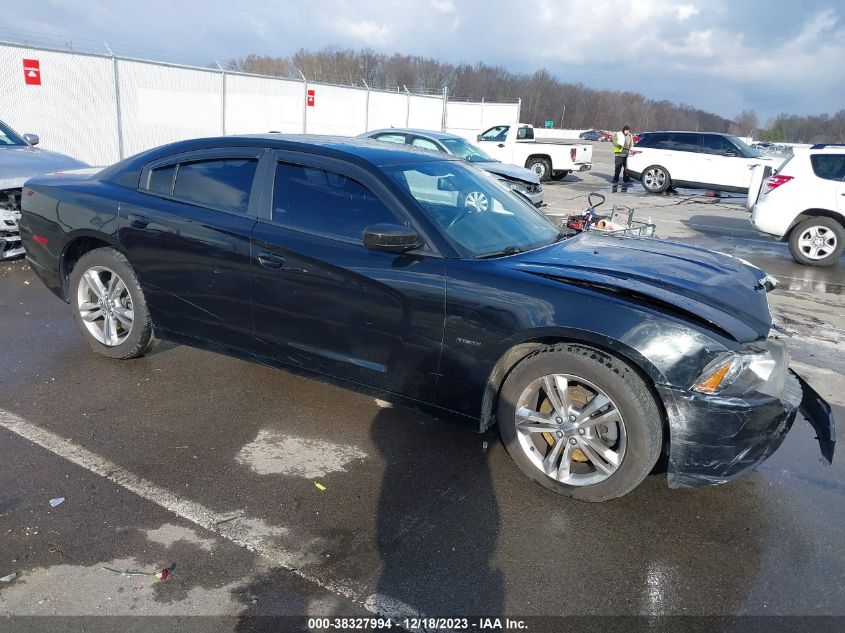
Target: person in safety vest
pixel 622 142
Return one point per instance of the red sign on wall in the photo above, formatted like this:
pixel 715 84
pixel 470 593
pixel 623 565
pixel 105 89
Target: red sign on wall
pixel 310 97
pixel 32 72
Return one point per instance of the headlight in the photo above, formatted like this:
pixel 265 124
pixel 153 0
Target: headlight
pixel 736 373
pixel 513 184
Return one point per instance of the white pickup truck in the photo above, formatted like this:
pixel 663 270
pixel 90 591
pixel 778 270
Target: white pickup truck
pixel 549 159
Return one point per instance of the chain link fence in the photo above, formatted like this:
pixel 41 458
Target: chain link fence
pixel 101 108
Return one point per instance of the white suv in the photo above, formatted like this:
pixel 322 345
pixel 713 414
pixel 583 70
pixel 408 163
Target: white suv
pixel 804 203
pixel 697 160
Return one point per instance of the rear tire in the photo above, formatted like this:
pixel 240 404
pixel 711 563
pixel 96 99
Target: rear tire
pixel 108 305
pixel 560 175
pixel 655 179
pixel 632 436
pixel 541 167
pixel 818 241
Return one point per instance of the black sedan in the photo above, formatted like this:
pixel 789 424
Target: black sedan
pixel 413 276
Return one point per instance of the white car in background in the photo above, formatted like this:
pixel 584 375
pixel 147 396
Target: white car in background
pixel 804 204
pixel 695 160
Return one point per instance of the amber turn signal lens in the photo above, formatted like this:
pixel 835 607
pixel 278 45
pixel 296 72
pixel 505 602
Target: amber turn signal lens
pixel 712 382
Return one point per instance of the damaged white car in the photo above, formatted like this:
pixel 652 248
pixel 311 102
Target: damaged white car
pixel 19 161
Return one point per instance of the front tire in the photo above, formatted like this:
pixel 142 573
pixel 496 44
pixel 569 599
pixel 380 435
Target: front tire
pixel 108 305
pixel 541 167
pixel 817 242
pixel 580 422
pixel 656 179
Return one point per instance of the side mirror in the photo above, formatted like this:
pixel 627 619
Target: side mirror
pixel 32 139
pixel 478 138
pixel 392 238
pixel 446 183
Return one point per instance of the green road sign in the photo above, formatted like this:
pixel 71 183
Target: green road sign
pixel 550 123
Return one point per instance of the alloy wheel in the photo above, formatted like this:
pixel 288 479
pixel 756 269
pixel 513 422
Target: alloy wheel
pixel 105 305
pixel 570 429
pixel 654 179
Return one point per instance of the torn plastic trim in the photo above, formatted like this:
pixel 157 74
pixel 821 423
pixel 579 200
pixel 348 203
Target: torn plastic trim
pixel 643 300
pixel 713 439
pixel 820 416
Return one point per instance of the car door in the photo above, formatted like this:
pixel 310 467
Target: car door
pixel 727 165
pixel 684 158
pixel 186 232
pixel 494 142
pixel 323 301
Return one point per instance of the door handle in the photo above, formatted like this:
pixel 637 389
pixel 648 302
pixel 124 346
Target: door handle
pixel 271 261
pixel 138 221
pixel 500 145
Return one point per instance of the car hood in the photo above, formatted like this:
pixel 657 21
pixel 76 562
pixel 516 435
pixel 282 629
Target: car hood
pixel 509 171
pixel 18 164
pixel 695 283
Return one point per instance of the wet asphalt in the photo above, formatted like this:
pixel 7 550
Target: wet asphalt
pixel 416 514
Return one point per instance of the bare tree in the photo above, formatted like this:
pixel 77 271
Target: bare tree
pixel 746 123
pixel 543 95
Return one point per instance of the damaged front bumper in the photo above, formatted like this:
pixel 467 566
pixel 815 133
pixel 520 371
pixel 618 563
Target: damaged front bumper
pixel 10 237
pixel 715 439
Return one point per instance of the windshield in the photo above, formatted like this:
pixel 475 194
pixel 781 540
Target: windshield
pixel 747 150
pixel 462 149
pixel 482 218
pixel 9 137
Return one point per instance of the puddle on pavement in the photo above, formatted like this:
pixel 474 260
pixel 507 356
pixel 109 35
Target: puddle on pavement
pixel 273 453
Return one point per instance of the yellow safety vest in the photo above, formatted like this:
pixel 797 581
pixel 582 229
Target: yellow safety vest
pixel 623 144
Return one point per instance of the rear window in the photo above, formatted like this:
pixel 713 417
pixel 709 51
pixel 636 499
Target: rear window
pixel 828 166
pixel 524 133
pixel 221 183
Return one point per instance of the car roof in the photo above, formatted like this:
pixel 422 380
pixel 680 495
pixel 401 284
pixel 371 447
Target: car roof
pixel 409 130
pixel 357 150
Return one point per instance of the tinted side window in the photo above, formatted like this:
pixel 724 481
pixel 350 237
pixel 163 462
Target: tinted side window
pixel 222 183
pixel 498 133
pixel 717 145
pixel 161 180
pixel 324 202
pixel 685 143
pixel 391 138
pixel 524 133
pixel 828 166
pixel 657 140
pixel 425 144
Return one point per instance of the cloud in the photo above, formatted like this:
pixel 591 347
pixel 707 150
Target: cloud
pixel 782 55
pixel 686 11
pixel 364 32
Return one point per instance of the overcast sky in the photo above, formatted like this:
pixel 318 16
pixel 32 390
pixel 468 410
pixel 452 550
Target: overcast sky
pixel 720 55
